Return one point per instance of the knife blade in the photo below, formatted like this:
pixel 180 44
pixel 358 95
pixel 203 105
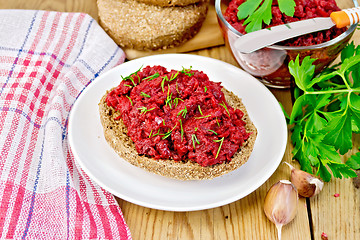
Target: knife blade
pixel 253 41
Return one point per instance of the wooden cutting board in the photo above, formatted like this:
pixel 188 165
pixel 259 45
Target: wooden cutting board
pixel 208 36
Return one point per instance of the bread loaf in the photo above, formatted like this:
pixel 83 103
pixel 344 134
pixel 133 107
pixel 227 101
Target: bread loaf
pixel 142 26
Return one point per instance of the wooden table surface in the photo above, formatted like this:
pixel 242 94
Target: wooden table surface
pixel 338 217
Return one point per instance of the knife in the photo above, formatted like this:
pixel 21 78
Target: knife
pixel 253 41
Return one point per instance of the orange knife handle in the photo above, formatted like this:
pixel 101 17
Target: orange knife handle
pixel 346 17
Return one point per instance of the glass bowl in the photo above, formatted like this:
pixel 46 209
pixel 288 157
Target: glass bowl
pixel 270 64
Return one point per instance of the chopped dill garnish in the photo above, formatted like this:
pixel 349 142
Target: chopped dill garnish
pixel 168 98
pixel 194 139
pixel 151 77
pixel 183 112
pixel 202 117
pixel 145 110
pixel 205 89
pixel 200 110
pixel 165 78
pixel 196 129
pixel 132 80
pixel 173 77
pixel 150 133
pixel 127 85
pixel 217 121
pixel 158 133
pixel 224 106
pixel 213 131
pixel 221 142
pixel 181 129
pixel 187 71
pixel 168 134
pixel 144 95
pixel 176 101
pixel 130 101
pixel 129 77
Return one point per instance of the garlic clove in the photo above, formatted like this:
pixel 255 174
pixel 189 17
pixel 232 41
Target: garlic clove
pixel 319 185
pixel 281 203
pixel 307 184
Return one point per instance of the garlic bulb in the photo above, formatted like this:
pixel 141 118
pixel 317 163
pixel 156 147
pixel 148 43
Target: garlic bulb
pixel 280 204
pixel 306 184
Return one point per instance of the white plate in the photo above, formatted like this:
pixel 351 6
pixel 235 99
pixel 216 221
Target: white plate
pixel 138 186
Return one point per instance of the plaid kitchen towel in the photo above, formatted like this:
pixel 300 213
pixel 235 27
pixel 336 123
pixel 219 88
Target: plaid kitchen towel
pixel 46 60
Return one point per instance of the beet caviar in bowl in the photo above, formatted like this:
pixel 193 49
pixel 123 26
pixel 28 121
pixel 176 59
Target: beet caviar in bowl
pixel 270 64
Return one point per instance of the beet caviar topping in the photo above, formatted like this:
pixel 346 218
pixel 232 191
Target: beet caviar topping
pixel 178 115
pixel 304 9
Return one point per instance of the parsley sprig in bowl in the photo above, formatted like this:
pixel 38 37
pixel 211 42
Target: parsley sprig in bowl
pixel 258 12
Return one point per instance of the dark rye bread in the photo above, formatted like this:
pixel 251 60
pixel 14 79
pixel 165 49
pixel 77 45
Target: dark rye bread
pixel 170 3
pixel 116 135
pixel 141 26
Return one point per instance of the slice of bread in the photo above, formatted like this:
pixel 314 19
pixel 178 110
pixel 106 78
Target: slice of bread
pixel 116 135
pixel 170 3
pixel 141 26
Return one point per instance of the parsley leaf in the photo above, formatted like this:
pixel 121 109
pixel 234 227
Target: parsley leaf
pixel 287 7
pixel 247 8
pixel 303 73
pixel 257 12
pixel 355 112
pixel 341 170
pixel 354 161
pixel 348 51
pixel 262 14
pixel 338 132
pixel 324 173
pixel 325 115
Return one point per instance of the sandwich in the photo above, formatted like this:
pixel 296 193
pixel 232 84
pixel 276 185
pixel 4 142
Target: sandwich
pixel 177 123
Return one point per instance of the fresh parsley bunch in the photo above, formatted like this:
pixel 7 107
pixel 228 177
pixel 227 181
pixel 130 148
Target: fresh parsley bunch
pixel 256 14
pixel 325 115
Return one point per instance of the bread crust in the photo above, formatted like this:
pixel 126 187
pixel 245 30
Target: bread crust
pixel 141 26
pixel 169 3
pixel 115 133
